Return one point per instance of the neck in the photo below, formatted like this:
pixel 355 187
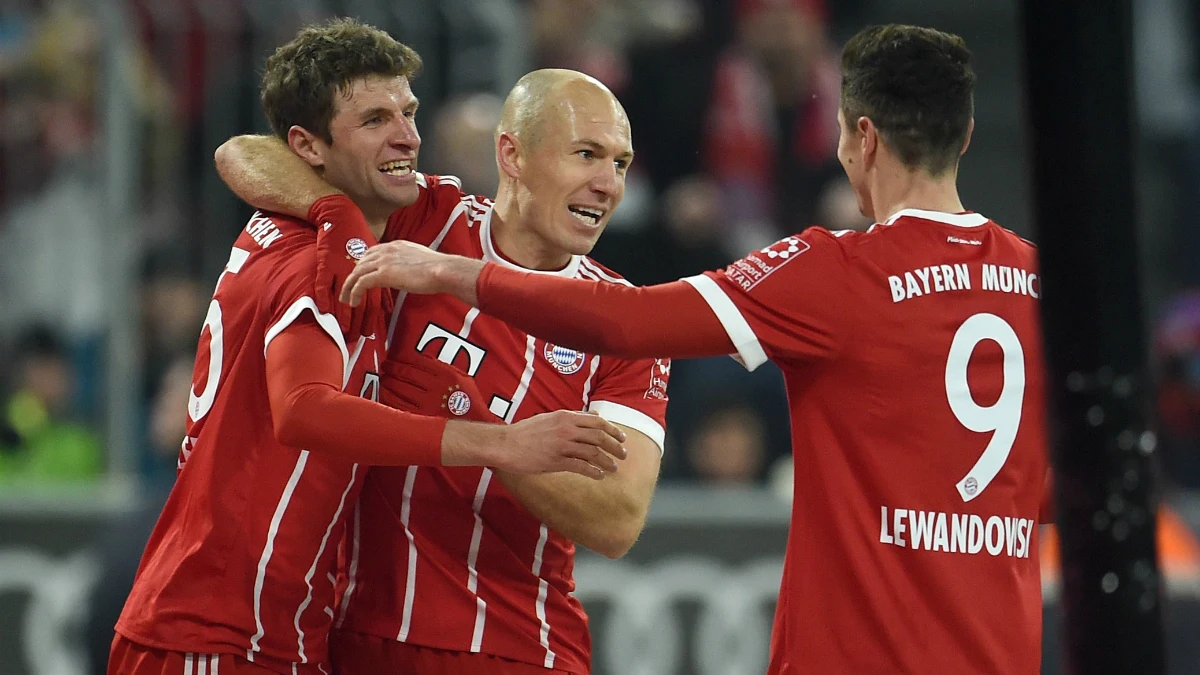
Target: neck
pixel 900 188
pixel 377 224
pixel 516 240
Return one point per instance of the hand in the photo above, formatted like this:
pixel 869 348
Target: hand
pixel 406 266
pixel 343 237
pixel 422 385
pixel 582 443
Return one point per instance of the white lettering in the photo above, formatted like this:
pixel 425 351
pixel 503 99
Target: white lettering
pixel 1033 291
pixel 995 544
pixel 975 535
pixel 897 288
pixel 911 285
pixel 454 344
pixel 964 278
pixel 990 282
pixel 940 540
pixel 958 537
pixel 921 527
pixel 898 525
pixel 924 274
pixel 1006 279
pixel 948 277
pixel 936 273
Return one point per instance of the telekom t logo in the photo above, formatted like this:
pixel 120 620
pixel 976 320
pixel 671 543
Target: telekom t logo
pixel 452 346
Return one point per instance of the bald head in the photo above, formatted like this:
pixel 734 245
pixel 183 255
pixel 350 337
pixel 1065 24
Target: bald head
pixel 544 99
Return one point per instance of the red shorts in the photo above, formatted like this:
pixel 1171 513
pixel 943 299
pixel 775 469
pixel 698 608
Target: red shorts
pixel 358 654
pixel 130 658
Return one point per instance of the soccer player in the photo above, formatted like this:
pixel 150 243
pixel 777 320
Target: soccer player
pixel 914 369
pixel 238 573
pixel 449 569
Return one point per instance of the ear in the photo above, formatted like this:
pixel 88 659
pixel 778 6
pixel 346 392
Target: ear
pixel 310 147
pixel 967 142
pixel 508 155
pixel 868 138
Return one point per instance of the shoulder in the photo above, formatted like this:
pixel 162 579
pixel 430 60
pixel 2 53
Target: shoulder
pixel 440 201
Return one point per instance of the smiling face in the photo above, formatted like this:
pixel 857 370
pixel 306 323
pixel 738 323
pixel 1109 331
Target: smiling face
pixel 573 170
pixel 373 155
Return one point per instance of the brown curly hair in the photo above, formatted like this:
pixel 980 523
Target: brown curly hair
pixel 302 77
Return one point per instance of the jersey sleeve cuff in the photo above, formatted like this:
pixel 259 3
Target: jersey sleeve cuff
pixel 326 321
pixel 750 351
pixel 634 419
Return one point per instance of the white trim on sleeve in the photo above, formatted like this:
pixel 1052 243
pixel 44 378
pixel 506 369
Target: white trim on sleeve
pixel 327 321
pixel 749 351
pixel 634 419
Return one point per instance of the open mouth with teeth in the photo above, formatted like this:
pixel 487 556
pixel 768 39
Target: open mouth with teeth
pixel 402 167
pixel 587 216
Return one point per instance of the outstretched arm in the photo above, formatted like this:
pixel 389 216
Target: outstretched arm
pixel 667 320
pixel 309 410
pixel 263 172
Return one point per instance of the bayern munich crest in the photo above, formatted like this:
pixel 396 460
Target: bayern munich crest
pixel 357 248
pixel 566 361
pixel 458 402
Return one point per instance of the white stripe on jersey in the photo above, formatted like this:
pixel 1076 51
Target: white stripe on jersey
pixel 595 269
pixel 435 245
pixel 188 663
pixel 269 549
pixel 740 332
pixel 326 321
pixel 587 384
pixel 352 573
pixel 543 590
pixel 216 661
pixel 320 551
pixel 410 583
pixel 467 321
pixel 629 417
pixel 202 667
pixel 473 558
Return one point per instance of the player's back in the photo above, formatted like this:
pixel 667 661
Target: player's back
pixel 241 557
pixel 913 362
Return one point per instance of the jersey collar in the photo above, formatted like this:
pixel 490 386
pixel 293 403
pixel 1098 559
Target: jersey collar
pixel 956 219
pixel 490 254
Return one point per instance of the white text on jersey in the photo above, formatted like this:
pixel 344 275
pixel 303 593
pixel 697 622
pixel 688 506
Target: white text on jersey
pixel 263 230
pixel 957 277
pixel 956 532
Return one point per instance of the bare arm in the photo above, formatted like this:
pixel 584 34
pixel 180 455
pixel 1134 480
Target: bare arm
pixel 263 172
pixel 606 516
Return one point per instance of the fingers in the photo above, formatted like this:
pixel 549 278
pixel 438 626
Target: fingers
pixel 598 458
pixel 352 291
pixel 582 468
pixel 591 420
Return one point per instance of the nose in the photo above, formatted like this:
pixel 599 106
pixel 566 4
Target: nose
pixel 607 181
pixel 405 134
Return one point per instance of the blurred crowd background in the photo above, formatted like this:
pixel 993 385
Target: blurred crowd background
pixel 114 225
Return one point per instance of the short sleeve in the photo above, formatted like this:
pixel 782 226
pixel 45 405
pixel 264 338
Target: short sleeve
pixel 785 302
pixel 633 393
pixel 289 293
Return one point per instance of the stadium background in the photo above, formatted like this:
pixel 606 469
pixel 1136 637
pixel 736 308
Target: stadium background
pixel 113 226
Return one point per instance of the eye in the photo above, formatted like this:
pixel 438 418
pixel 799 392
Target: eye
pixel 586 154
pixel 373 120
pixel 410 113
pixel 622 164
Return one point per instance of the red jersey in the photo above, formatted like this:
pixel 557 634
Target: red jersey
pixel 447 557
pixel 242 558
pixel 913 362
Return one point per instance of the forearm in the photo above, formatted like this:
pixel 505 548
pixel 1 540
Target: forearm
pixel 668 320
pixel 317 417
pixel 604 516
pixel 263 172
